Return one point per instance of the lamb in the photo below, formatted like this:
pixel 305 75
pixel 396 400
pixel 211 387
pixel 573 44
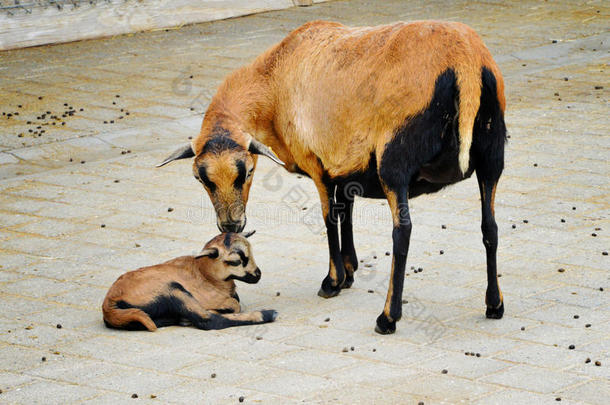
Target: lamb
pixel 197 290
pixel 393 112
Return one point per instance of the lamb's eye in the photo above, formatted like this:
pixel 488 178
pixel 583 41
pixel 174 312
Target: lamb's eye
pixel 250 172
pixel 234 263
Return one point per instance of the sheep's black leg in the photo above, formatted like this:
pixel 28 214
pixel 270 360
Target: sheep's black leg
pixel 401 234
pixel 493 295
pixel 345 203
pixel 331 285
pixel 489 137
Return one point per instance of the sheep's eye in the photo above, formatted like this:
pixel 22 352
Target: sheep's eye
pixel 250 172
pixel 234 263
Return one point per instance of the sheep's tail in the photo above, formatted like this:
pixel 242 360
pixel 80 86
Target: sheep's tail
pixel 469 85
pixel 121 315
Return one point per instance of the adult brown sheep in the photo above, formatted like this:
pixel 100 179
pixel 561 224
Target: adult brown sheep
pixel 401 109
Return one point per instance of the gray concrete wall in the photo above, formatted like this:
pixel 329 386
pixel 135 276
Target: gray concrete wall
pixel 38 22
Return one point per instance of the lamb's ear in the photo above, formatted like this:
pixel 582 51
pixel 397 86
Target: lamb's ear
pixel 184 152
pixel 260 148
pixel 248 234
pixel 212 253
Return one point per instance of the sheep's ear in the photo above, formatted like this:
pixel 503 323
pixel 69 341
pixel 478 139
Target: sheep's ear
pixel 260 148
pixel 184 152
pixel 212 253
pixel 248 234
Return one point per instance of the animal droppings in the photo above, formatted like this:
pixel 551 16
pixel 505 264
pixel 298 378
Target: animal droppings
pixel 571 347
pixel 444 371
pixel 576 316
pixel 327 320
pixel 58 326
pixel 213 375
pixel 240 399
pixel 598 363
pixel 561 270
pixel 588 360
pixel 134 395
pixel 345 350
pixel 370 291
pixel 277 294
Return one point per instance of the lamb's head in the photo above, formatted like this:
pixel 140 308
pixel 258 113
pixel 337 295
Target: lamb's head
pixel 231 258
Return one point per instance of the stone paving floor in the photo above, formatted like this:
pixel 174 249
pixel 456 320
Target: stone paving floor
pixel 81 202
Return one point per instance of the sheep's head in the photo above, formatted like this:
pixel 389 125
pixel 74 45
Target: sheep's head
pixel 225 165
pixel 231 257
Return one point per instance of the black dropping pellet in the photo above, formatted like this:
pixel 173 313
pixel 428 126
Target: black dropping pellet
pixel 103 225
pixel 420 403
pixel 374 257
pixel 405 301
pixel 70 159
pixel 535 164
pixel 563 220
pixel 588 325
pixel 523 328
pixel 525 221
pixel 43 359
pixel 241 399
pixel 112 121
pixel 127 113
pixel 80 109
pixel 514 226
pixel 478 354
pixel 571 347
pixel 604 253
pixel 565 79
pixel 39 97
pixel 259 338
pixel 370 291
pixel 191 76
pixel 58 326
pixel 134 395
pixel 117 96
pixel 573 208
pixel 345 350
pixel 558 399
pixel 442 252
pixel 63 123
pixel 213 375
pixel 588 360
pixel 387 253
pixel 443 226
pixel 374 350
pixel 601 288
pixel 576 316
pixel 65 104
pixel 598 363
pixel 105 122
pixel 594 234
pixel 19 106
pixel 116 181
pixel 170 209
pixel 327 320
pixel 599 87
pixel 114 102
pixel 561 270
pixel 352 348
pixel 554 41
pixel 82 162
pixel 277 294
pixel 444 371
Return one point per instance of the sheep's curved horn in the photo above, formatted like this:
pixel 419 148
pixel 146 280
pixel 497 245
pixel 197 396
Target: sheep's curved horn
pixel 260 148
pixel 212 253
pixel 182 153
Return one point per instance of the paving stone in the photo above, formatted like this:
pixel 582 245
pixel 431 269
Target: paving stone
pixel 537 379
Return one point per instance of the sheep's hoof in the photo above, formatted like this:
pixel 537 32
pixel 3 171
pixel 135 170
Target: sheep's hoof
pixel 328 290
pixel 349 280
pixel 495 313
pixel 384 325
pixel 269 315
